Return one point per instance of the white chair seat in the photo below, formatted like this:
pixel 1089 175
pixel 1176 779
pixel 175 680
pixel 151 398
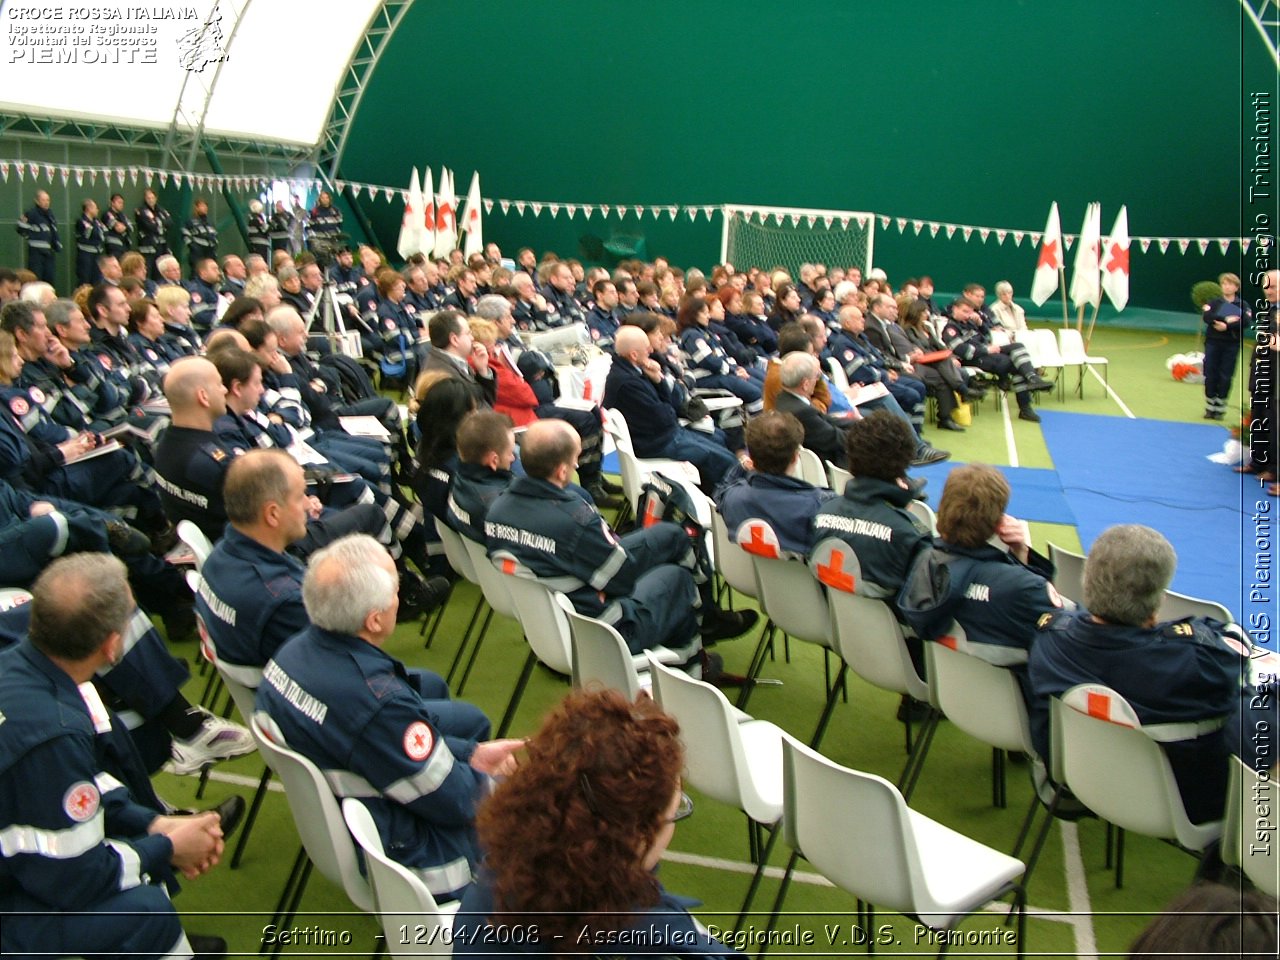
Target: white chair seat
pixel 957 871
pixel 762 749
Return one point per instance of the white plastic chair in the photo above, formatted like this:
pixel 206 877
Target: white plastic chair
pixel 326 844
pixel 1176 606
pixel 455 551
pixel 838 477
pixel 545 626
pixel 789 595
pixel 1258 862
pixel 1072 354
pixel 601 657
pixel 494 588
pixel 403 900
pixel 858 832
pixel 194 538
pixel 1068 572
pixel 739 573
pixel 1112 764
pixel 924 513
pixel 728 756
pixel 633 471
pixel 811 469
pixel 871 643
pixel 838 376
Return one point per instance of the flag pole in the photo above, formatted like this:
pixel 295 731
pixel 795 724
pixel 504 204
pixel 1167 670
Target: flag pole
pixel 1092 321
pixel 1062 288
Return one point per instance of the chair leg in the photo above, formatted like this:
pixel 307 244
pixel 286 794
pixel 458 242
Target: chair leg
pixel 466 637
pixel 915 762
pixel 998 796
pixel 1109 850
pixel 516 695
pixel 1119 858
pixel 830 707
pixel 756 877
pixel 204 780
pixel 435 625
pixel 777 901
pixel 252 816
pixel 298 875
pixel 757 663
pixel 1042 835
pixel 475 652
pixel 209 686
pixel 1027 821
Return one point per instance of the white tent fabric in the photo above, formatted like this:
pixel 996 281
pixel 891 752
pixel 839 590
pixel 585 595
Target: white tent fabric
pixel 277 63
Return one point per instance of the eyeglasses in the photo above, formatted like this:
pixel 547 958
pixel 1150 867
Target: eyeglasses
pixel 683 809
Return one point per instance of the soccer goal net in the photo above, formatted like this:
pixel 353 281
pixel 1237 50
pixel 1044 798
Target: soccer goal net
pixel 768 237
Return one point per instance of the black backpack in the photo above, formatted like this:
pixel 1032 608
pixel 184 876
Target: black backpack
pixel 353 382
pixel 661 499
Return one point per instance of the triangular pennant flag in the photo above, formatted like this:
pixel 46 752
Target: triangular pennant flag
pixel 389 193
pixel 488 205
pixel 1245 242
pixel 22 171
pixel 967 232
pixel 917 226
pixel 934 227
pixel 844 223
pixel 504 205
pixel 520 207
pixel 66 175
pixel 1068 240
pixel 33 169
pixel 984 233
pixel 795 220
pixel 828 221
pixel 692 212
pixel 1203 245
pixel 48 173
pixel 571 209
pixel 622 212
pixel 1144 243
pixel 1183 243
pixel 777 219
pixel 1163 244
pixel 1017 238
pixel 1000 235
pixel 4 172
pixel 902 224
pixel 810 220
pixel 951 230
pixel 79 176
pixel 587 210
pixel 884 223
pixel 133 176
pixel 554 208
pixel 164 178
pixel 639 212
pixel 673 211
pixel 862 223
pixel 120 175
pixel 604 210
pixel 657 212
pixel 710 211
pixel 536 208
pixel 93 177
pixel 1224 244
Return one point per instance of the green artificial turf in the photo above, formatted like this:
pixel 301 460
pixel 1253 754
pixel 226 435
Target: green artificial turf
pixel 708 857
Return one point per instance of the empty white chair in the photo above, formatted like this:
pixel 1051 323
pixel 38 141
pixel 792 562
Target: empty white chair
pixel 633 471
pixel 811 469
pixel 838 477
pixel 601 657
pixel 405 907
pixel 1239 829
pixel 924 513
pixel 1072 353
pixel 729 756
pixel 738 572
pixel 1068 575
pixel 858 832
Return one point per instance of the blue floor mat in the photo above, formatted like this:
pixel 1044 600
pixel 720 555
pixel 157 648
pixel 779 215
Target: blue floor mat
pixel 1155 472
pixel 1036 494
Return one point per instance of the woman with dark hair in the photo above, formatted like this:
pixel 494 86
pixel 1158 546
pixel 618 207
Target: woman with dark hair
pixel 146 335
pixel 708 362
pixel 573 837
pixel 787 307
pixel 397 328
pixel 442 401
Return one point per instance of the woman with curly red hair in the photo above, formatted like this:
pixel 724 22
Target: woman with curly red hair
pixel 572 838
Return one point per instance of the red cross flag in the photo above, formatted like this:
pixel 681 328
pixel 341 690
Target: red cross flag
pixel 1051 262
pixel 427 239
pixel 446 216
pixel 1115 261
pixel 472 229
pixel 1085 286
pixel 410 241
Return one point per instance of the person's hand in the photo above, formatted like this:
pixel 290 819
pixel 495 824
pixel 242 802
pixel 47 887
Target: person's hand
pixel 314 508
pixel 197 841
pixel 1013 533
pixel 743 374
pixel 540 301
pixel 893 375
pixel 42 508
pixel 496 757
pixel 993 349
pixel 480 358
pixel 77 446
pixel 908 368
pixel 652 369
pixel 1219 325
pixel 915 353
pixel 280 364
pixel 58 353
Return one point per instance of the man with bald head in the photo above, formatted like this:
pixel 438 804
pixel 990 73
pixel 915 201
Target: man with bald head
pixel 637 388
pixel 641 584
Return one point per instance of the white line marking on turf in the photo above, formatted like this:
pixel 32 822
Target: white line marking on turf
pixel 239 780
pixel 1008 434
pixel 1078 905
pixel 1111 393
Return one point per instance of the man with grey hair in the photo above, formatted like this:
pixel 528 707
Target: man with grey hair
pixel 83 834
pixel 377 730
pixel 1181 675
pixel 800 374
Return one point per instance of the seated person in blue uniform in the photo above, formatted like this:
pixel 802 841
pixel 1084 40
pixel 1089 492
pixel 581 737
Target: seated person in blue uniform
pixel 1180 673
pixel 638 390
pixel 378 731
pixel 486 445
pixel 641 583
pixel 574 836
pixel 250 597
pixel 982 573
pixel 86 855
pixel 768 491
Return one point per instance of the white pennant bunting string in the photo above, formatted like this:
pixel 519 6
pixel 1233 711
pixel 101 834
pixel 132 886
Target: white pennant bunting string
pixel 622 213
pixel 1000 235
pixel 536 208
pixel 1017 238
pixel 1144 243
pixel 1203 245
pixel 505 205
pixel 1224 244
pixel 1163 244
pixel 570 209
pixel 520 207
pixel 967 232
pixel 1244 244
pixel 1183 244
pixel 587 210
pixel 554 208
pixel 902 224
pixel 488 205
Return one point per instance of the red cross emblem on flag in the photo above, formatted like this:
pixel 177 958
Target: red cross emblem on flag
pixel 1049 255
pixel 81 801
pixel 1118 259
pixel 418 740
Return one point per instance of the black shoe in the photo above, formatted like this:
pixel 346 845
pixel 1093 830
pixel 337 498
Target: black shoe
pixel 230 812
pixel 125 541
pixel 207 948
pixel 1038 384
pixel 1026 413
pixel 911 709
pixel 162 541
pixel 418 597
pixel 927 454
pixel 713 672
pixel 602 498
pixel 179 624
pixel 916 485
pixel 610 487
pixel 720 624
pixel 973 393
pixel 950 425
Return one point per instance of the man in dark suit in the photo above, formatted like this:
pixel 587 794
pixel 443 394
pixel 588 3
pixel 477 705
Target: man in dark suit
pixel 451 346
pixel 800 375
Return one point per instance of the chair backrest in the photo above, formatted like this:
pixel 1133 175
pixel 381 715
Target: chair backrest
pixel 715 757
pixel 455 551
pixel 924 513
pixel 402 898
pixel 838 477
pixel 732 561
pixel 194 538
pixel 1175 606
pixel 1070 346
pixel 594 376
pixel 788 592
pixel 1046 348
pixel 545 624
pixel 1068 576
pixel 811 468
pixel 980 698
pixel 852 827
pixel 11 597
pixel 315 812
pixel 1258 861
pixel 838 376
pixel 867 634
pixel 1115 769
pixel 599 654
pixel 492 583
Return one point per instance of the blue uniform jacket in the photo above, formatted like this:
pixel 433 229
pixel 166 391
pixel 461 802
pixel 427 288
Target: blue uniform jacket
pixel 648 407
pixel 707 358
pixel 602 324
pixel 755 332
pixel 473 491
pixel 1236 314
pixel 787 504
pixel 1170 673
pixel 862 362
pixel 359 716
pixel 204 303
pixel 39 228
pixel 250 599
pixel 871 516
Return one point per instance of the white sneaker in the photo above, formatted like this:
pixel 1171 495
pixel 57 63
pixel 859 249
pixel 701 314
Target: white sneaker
pixel 217 739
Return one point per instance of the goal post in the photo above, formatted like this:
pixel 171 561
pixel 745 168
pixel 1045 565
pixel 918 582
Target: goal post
pixel 766 237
